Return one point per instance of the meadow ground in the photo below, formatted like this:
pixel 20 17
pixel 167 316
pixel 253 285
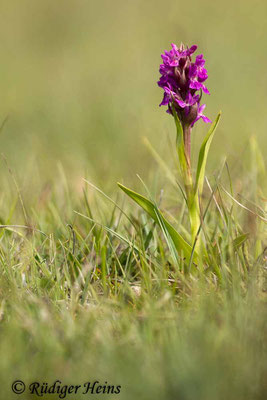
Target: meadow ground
pixel 90 288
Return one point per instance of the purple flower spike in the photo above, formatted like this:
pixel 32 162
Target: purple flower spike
pixel 182 82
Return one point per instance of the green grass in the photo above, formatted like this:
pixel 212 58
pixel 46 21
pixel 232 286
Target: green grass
pixel 90 291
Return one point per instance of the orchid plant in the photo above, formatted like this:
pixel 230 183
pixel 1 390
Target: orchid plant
pixel 182 80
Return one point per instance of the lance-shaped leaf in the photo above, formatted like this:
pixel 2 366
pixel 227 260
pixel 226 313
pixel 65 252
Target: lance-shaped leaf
pixel 203 154
pixel 180 141
pixel 181 246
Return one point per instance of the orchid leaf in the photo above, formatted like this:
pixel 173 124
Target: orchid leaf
pixel 180 141
pixel 203 155
pixel 181 246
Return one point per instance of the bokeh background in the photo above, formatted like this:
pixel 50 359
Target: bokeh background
pixel 78 92
pixel 78 82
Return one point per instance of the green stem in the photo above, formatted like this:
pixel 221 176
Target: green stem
pixel 187 165
pixel 194 215
pixel 192 198
pixel 183 145
pixel 187 145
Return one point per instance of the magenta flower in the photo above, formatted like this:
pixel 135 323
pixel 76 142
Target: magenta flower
pixel 200 115
pixel 182 82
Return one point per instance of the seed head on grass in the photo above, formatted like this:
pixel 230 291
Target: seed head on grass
pixel 183 83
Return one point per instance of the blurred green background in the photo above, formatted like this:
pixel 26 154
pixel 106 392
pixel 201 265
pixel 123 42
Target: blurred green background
pixel 78 82
pixel 78 91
